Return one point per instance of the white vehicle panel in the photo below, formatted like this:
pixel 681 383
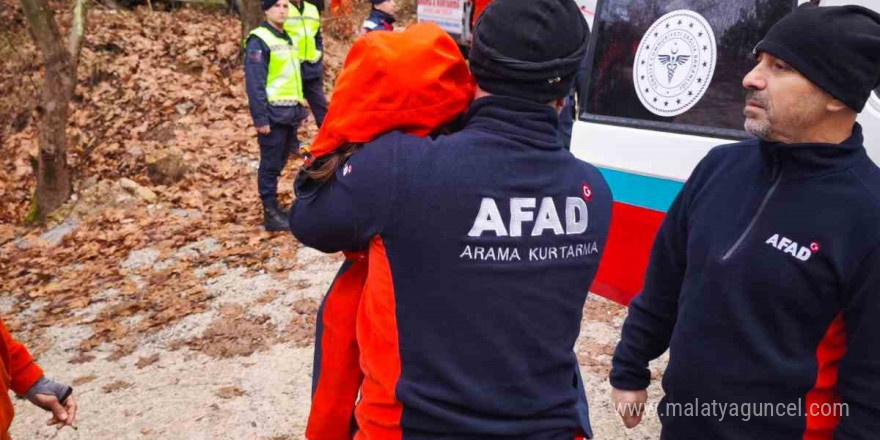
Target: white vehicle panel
pixel 651 153
pixel 673 156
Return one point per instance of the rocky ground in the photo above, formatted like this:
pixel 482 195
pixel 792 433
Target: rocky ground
pixel 155 292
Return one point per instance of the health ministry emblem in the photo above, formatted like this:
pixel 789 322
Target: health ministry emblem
pixel 675 63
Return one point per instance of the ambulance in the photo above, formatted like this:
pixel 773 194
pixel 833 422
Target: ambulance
pixel 663 86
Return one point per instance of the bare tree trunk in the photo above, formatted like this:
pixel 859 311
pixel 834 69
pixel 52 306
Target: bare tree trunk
pixel 251 15
pixel 53 174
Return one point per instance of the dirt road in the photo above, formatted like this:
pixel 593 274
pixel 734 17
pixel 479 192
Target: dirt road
pixel 241 369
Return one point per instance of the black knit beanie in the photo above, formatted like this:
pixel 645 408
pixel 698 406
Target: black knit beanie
pixel 529 49
pixel 376 2
pixel 835 47
pixel 266 4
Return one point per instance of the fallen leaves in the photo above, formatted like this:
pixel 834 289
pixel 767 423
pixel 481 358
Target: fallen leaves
pixel 119 385
pixel 83 380
pixel 81 358
pixel 235 334
pixel 230 392
pixel 147 361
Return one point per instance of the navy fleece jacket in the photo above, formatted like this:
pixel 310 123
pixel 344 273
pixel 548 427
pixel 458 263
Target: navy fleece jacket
pixel 764 283
pixel 493 236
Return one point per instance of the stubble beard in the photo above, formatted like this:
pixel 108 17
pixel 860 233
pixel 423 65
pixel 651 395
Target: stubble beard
pixel 760 126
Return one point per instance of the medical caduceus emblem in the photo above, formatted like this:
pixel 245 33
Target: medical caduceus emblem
pixel 675 63
pixel 672 62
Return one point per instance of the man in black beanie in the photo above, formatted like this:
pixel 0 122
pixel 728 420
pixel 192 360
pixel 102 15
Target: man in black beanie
pixel 519 51
pixel 763 282
pixel 482 245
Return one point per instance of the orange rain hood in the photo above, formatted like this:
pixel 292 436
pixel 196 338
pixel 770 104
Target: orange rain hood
pixel 414 81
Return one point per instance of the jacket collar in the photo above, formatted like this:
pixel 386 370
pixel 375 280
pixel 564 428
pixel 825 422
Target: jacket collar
pixel 279 34
pixel 377 14
pixel 526 122
pixel 797 161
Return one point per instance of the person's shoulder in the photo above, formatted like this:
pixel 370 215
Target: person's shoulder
pixel 397 143
pixel 868 175
pixel 392 145
pixel 592 177
pixel 727 158
pixel 371 24
pixel 727 151
pixel 255 36
pixel 318 4
pixel 253 40
pixel 732 151
pixel 255 50
pixel 388 155
pixel 583 166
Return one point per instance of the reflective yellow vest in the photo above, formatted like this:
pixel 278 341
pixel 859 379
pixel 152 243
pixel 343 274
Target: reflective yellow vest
pixel 302 28
pixel 283 80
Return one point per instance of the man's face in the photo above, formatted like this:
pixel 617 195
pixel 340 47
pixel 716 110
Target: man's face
pixel 277 13
pixel 389 7
pixel 781 102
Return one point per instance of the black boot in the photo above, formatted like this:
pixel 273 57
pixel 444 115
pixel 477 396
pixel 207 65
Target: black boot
pixel 273 219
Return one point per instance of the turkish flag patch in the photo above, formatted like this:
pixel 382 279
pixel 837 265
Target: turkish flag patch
pixel 255 55
pixel 586 192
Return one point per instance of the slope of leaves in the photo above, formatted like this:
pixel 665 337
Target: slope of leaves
pixel 147 82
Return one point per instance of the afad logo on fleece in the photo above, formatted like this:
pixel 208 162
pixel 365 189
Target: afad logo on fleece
pixel 802 253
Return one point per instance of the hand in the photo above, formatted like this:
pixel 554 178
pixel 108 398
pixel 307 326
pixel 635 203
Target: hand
pixel 264 129
pixel 630 405
pixel 62 414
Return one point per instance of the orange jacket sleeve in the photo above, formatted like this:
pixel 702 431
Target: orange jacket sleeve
pixel 337 375
pixel 18 363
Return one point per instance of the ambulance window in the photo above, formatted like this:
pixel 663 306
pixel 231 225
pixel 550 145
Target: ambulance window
pixel 675 66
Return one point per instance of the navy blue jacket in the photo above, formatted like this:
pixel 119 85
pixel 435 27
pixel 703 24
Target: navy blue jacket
pixel 493 236
pixel 764 273
pixel 256 67
pixel 378 21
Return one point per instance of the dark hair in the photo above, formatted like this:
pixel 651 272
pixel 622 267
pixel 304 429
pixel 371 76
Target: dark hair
pixel 325 167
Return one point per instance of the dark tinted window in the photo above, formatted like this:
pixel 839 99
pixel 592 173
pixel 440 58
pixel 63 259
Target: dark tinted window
pixel 620 26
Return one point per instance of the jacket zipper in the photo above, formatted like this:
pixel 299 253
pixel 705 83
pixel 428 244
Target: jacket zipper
pixel 302 19
pixel 755 218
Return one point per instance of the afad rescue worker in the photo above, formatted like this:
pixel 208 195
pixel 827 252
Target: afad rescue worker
pixel 763 281
pixel 275 96
pixel 381 16
pixel 420 77
pixel 482 247
pixel 303 24
pixel 26 379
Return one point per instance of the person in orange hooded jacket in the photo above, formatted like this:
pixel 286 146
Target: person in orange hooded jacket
pixel 414 81
pixel 24 377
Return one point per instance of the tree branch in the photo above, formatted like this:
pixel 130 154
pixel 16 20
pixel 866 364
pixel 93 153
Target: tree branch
pixel 76 31
pixel 41 21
